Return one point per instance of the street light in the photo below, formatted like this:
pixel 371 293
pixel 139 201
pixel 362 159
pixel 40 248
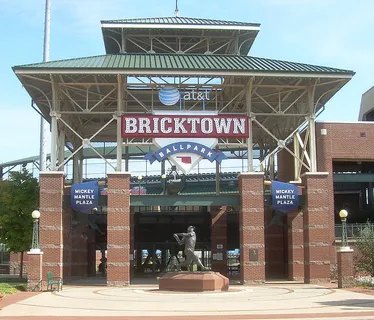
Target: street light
pixel 343 217
pixel 140 178
pixel 35 231
pixel 163 177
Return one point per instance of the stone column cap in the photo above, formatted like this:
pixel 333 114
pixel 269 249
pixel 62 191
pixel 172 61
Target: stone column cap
pixel 314 174
pixel 252 173
pixel 61 173
pixel 344 249
pixel 35 252
pixel 119 173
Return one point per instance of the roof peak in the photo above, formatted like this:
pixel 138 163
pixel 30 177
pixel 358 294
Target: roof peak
pixel 179 20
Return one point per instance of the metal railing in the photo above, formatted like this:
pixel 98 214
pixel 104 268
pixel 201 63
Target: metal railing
pixel 353 229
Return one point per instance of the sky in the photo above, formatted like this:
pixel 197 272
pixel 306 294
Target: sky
pixel 334 33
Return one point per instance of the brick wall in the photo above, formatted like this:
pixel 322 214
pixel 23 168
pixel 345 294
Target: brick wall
pixel 118 228
pixel 342 141
pixel 218 238
pixel 251 227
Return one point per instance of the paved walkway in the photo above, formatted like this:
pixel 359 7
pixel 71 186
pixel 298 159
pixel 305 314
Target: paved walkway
pixel 140 301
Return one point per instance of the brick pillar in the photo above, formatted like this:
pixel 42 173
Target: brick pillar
pixel 51 222
pixel 132 241
pixel 317 227
pixel 118 229
pixel 295 245
pixel 219 239
pixel 34 271
pixel 67 232
pixel 251 227
pixel 345 268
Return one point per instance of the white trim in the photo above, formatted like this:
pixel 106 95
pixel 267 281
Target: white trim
pixel 119 173
pixel 35 252
pixel 315 174
pixel 177 26
pixel 61 173
pixel 344 249
pixel 205 73
pixel 347 122
pixel 251 174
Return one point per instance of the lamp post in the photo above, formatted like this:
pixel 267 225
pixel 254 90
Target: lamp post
pixel 140 178
pixel 35 231
pixel 163 177
pixel 343 217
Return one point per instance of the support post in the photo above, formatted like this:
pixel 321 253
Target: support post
pixel 248 102
pixel 61 149
pixel 312 131
pixel 296 150
pixel 54 128
pixel 119 114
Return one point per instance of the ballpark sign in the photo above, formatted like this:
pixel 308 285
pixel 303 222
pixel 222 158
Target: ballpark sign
pixel 185 138
pixel 177 126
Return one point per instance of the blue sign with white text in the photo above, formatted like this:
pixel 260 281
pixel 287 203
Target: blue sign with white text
pixel 285 196
pixel 84 196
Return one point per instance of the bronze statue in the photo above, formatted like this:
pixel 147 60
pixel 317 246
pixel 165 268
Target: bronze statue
pixel 189 241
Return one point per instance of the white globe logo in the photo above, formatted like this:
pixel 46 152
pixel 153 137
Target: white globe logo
pixel 169 96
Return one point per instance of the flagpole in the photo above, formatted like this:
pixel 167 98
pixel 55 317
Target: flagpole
pixel 43 124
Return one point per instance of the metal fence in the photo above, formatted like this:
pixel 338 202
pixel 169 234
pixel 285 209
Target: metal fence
pixel 353 229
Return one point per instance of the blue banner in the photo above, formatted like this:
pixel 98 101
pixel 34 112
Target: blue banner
pixel 284 196
pixel 84 196
pixel 191 147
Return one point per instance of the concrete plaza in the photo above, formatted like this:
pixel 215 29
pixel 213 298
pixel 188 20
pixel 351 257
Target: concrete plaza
pixel 281 301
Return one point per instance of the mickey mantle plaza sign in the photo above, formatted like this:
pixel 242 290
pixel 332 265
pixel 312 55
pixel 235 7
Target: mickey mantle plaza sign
pixel 193 126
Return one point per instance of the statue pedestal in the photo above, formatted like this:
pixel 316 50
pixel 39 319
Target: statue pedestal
pixel 194 281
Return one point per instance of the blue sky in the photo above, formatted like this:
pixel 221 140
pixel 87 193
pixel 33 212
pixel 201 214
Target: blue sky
pixel 334 33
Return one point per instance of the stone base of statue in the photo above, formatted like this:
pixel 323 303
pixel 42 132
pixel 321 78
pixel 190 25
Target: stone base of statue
pixel 193 281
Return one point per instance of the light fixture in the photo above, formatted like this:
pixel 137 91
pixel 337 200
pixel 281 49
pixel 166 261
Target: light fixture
pixel 35 214
pixel 35 231
pixel 343 214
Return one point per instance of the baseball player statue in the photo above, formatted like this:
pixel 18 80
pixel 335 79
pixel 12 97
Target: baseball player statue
pixel 189 241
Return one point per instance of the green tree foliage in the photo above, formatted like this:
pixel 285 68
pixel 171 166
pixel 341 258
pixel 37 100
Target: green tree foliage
pixel 364 260
pixel 19 196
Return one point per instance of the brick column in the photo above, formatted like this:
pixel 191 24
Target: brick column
pixel 219 239
pixel 317 227
pixel 295 245
pixel 132 241
pixel 51 222
pixel 34 270
pixel 118 229
pixel 345 268
pixel 251 227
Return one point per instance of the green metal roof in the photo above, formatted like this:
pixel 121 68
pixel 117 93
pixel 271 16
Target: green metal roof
pixel 180 21
pixel 178 62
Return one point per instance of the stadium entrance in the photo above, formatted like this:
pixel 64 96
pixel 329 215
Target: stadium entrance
pixel 181 95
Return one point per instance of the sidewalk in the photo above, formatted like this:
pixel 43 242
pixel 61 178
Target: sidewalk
pixel 241 302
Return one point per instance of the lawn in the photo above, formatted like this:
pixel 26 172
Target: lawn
pixel 12 285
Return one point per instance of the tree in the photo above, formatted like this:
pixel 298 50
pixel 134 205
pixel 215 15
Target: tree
pixel 364 260
pixel 19 196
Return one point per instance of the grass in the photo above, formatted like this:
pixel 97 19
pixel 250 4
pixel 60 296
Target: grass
pixel 7 288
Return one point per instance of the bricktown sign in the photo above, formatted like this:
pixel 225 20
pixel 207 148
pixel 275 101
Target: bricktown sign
pixel 193 135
